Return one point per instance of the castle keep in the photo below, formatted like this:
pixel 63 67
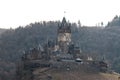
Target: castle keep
pixel 64 36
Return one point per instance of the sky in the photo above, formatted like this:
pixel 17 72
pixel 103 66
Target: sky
pixel 15 13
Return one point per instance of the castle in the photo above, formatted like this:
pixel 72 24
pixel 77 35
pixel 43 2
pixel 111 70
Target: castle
pixel 62 54
pixel 62 49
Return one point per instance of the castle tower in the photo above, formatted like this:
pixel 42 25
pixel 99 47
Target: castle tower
pixel 64 36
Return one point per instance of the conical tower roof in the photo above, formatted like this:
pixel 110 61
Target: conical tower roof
pixel 65 26
pixel 64 23
pixel 64 20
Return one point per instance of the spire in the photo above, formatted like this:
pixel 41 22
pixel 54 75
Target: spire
pixel 64 20
pixel 65 26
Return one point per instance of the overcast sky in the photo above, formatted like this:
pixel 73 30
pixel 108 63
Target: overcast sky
pixel 90 12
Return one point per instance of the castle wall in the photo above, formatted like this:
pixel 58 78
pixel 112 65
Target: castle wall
pixel 64 37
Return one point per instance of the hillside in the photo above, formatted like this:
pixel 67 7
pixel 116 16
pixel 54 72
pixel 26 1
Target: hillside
pixel 2 30
pixel 95 41
pixel 82 74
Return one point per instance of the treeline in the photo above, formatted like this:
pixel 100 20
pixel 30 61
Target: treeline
pixel 14 42
pixel 115 22
pixel 95 41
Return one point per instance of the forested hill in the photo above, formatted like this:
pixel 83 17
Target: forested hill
pixel 96 41
pixel 115 22
pixel 2 30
